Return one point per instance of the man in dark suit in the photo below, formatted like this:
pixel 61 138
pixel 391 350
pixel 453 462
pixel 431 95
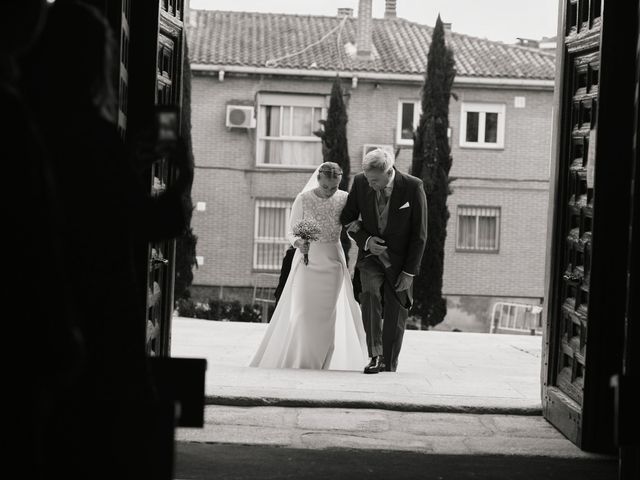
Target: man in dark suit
pixel 391 238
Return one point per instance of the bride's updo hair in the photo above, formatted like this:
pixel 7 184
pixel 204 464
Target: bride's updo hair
pixel 330 170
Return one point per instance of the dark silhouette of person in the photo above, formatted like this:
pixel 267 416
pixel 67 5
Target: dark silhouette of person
pixel 285 269
pixel 36 305
pixel 108 213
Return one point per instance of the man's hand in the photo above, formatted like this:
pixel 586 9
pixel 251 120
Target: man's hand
pixel 353 227
pixel 376 245
pixel 404 282
pixel 302 245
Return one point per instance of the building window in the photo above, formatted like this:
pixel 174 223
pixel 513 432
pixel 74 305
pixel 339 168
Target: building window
pixel 482 125
pixel 285 130
pixel 270 233
pixel 408 117
pixel 478 229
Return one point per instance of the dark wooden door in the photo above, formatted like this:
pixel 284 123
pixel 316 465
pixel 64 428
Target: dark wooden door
pixel 168 91
pixel 122 19
pixel 627 381
pixel 150 38
pixel 586 281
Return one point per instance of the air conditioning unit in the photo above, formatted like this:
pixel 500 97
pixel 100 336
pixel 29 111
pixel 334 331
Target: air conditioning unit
pixel 367 147
pixel 240 116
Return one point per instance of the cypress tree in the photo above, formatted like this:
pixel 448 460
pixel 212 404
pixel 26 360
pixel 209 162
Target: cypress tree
pixel 335 147
pixel 185 261
pixel 431 162
pixel 186 243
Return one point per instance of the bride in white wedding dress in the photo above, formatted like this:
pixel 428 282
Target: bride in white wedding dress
pixel 317 323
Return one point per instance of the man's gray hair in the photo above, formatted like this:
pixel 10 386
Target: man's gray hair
pixel 378 159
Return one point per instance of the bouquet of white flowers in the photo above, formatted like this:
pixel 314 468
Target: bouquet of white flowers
pixel 307 230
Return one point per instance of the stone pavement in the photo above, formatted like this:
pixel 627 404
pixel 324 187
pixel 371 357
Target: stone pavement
pixel 384 430
pixel 438 372
pixel 462 406
pixel 319 443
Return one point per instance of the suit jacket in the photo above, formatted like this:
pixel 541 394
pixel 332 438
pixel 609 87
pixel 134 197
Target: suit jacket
pixel 406 232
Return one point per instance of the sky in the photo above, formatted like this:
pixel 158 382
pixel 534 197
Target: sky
pixel 501 20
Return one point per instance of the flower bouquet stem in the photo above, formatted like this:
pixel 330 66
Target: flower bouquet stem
pixel 307 230
pixel 306 255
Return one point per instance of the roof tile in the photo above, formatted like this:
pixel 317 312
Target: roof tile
pixel 296 41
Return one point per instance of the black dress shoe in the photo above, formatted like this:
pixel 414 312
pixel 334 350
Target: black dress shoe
pixel 375 365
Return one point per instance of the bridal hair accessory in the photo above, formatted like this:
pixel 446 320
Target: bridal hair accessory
pixel 330 170
pixel 307 230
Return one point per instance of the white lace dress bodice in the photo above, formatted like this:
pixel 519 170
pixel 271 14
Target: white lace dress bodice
pixel 325 211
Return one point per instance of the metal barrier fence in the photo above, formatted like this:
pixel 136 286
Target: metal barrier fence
pixel 263 292
pixel 516 317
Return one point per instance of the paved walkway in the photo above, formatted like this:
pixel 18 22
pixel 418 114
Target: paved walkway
pixel 444 415
pixel 364 429
pixel 438 372
pixel 319 443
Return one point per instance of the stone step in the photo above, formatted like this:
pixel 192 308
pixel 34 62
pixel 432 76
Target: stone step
pixel 440 433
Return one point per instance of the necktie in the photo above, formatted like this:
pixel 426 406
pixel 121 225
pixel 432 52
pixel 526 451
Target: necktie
pixel 383 197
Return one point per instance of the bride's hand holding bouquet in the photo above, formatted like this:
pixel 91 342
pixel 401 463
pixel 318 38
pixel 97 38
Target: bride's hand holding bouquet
pixel 306 231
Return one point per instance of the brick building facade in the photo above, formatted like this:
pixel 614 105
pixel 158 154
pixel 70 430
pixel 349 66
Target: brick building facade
pixel 500 137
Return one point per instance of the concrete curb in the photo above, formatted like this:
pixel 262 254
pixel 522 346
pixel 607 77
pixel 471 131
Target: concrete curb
pixel 242 401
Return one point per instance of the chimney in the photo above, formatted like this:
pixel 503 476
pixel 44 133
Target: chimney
pixel 528 42
pixel 364 26
pixel 447 32
pixel 188 16
pixel 345 12
pixel 390 9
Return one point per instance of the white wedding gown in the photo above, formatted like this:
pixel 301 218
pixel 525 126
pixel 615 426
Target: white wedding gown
pixel 317 323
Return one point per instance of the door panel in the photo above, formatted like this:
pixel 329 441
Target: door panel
pixel 168 87
pixel 585 274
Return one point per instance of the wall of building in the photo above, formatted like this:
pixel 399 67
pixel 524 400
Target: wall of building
pixel 517 269
pixel 514 178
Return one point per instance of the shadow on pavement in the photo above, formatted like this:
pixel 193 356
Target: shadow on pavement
pixel 198 461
